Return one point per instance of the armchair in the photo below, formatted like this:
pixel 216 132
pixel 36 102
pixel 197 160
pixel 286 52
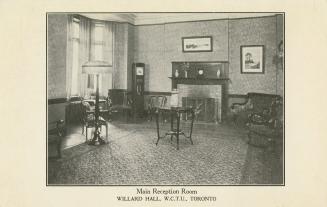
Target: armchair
pixel 258 103
pixel 267 125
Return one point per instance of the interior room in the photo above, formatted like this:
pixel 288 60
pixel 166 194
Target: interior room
pixel 165 99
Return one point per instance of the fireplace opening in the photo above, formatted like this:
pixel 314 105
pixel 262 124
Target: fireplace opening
pixel 206 99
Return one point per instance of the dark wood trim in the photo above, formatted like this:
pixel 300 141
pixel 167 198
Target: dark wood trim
pixel 157 93
pixel 237 96
pixel 116 89
pixel 218 61
pixel 56 101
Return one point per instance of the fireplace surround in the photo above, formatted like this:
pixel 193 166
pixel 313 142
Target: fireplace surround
pixel 212 83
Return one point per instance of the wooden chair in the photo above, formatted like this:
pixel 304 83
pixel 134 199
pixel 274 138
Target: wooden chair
pixel 155 102
pixel 88 119
pixel 120 104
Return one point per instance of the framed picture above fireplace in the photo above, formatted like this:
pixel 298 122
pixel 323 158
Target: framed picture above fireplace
pixel 197 44
pixel 252 59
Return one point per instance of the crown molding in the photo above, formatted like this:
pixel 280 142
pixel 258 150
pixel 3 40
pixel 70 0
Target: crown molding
pixel 162 18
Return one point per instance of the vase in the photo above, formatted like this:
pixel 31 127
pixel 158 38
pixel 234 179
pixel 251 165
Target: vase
pixel 218 73
pixel 176 73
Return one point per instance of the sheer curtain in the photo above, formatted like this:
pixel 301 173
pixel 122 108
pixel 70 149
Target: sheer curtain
pixel 107 56
pixel 78 52
pixel 84 51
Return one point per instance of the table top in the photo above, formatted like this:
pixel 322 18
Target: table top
pixel 93 100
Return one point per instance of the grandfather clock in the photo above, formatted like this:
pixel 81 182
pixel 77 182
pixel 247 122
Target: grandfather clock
pixel 138 89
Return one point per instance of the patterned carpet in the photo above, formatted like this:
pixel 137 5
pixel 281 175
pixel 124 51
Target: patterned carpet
pixel 218 156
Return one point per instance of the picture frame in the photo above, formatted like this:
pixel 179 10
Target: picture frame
pixel 252 59
pixel 197 44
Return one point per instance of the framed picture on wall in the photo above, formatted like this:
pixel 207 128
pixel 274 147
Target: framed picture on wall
pixel 252 59
pixel 197 44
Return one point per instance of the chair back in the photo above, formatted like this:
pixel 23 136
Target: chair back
pixel 86 117
pixel 118 97
pixel 157 101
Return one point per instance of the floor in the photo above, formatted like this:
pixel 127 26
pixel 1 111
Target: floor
pixel 220 155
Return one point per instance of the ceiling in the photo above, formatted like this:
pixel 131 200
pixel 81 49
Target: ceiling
pixel 160 18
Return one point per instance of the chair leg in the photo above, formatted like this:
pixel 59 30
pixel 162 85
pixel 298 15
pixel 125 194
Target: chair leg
pixel 59 147
pixel 86 134
pixel 107 132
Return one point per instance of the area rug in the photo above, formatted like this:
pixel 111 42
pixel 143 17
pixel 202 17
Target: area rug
pixel 131 157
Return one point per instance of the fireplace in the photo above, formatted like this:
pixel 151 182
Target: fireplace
pixel 206 91
pixel 207 98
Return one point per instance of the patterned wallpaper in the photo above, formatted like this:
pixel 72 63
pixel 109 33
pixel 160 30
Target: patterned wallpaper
pixel 57 43
pixel 158 45
pixel 254 31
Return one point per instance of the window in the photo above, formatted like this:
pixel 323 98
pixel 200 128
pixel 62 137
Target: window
pixel 75 54
pixel 97 49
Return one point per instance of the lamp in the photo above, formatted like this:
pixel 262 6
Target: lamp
pixel 96 68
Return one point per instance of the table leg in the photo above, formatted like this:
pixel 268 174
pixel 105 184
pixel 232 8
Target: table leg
pixel 171 125
pixel 177 135
pixel 193 116
pixel 157 123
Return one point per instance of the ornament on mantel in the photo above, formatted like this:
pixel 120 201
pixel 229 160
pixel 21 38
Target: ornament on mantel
pixel 176 73
pixel 218 73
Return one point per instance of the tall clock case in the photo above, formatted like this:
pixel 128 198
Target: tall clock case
pixel 138 72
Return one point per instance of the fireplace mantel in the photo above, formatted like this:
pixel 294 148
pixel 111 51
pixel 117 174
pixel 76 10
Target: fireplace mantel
pixel 198 81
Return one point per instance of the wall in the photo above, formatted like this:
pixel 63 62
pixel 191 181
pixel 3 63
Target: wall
pixel 130 56
pixel 57 44
pixel 280 71
pixel 120 55
pixel 252 31
pixel 158 45
pixel 123 55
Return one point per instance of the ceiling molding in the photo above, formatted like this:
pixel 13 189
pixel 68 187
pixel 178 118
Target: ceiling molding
pixel 161 18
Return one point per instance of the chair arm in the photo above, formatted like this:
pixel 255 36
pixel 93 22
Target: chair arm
pixel 257 118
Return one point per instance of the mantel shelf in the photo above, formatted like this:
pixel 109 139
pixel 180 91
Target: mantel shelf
pixel 182 78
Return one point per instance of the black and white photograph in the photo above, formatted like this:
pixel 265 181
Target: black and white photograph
pixel 162 99
pixel 197 44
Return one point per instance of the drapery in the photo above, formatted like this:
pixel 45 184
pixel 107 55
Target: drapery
pixel 69 56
